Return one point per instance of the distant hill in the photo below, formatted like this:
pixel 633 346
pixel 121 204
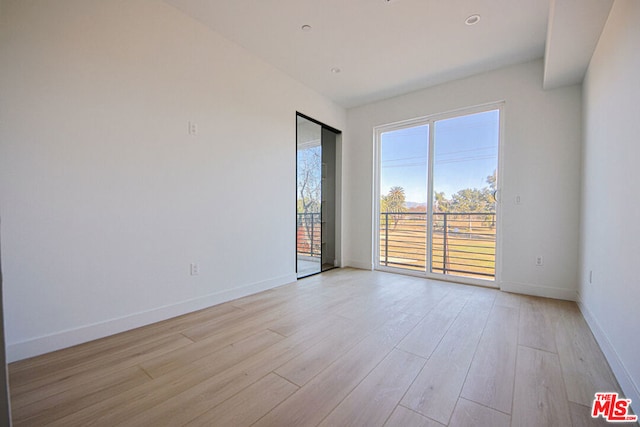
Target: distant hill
pixel 411 205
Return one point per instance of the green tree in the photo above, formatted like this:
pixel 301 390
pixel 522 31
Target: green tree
pixel 441 204
pixel 492 180
pixel 472 200
pixel 394 202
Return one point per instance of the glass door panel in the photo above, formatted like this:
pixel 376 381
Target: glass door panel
pixel 328 210
pixel 308 197
pixel 463 223
pixel 402 228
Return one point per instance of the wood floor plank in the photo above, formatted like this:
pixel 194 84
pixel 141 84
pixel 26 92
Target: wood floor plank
pixel 372 305
pixel 584 367
pixel 536 326
pixel 403 417
pixel 485 295
pixel 581 417
pixel 389 324
pixel 396 328
pixel 266 299
pixel 375 398
pixel 421 303
pixel 309 405
pixel 123 407
pixel 491 376
pixel 205 349
pixel 247 319
pixel 121 359
pixel 62 359
pixel 539 395
pixel 428 333
pixel 248 406
pixel 507 299
pixel 307 365
pixel 87 381
pixel 179 323
pixel 292 323
pixel 436 389
pixel 76 396
pixel 471 414
pixel 176 407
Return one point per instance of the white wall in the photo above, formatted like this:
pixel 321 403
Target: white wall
pixel 106 199
pixel 610 245
pixel 541 163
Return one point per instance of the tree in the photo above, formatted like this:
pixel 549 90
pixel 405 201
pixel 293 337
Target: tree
pixel 492 180
pixel 472 200
pixel 309 181
pixel 441 203
pixel 475 200
pixel 394 202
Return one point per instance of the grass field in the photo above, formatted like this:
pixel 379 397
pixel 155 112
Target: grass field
pixel 466 249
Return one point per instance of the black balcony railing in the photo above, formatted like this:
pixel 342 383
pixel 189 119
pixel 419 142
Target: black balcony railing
pixel 309 238
pixel 462 244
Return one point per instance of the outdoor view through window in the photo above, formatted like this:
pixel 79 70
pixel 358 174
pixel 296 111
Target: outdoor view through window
pixel 458 237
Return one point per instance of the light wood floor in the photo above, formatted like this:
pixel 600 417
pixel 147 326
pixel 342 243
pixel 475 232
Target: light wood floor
pixel 345 348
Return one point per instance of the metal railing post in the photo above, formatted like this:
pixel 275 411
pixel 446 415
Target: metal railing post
pixel 312 233
pixel 386 238
pixel 444 245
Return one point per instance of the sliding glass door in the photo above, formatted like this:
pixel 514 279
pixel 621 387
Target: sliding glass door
pixel 404 155
pixel 436 207
pixel 316 189
pixel 309 197
pixel 465 164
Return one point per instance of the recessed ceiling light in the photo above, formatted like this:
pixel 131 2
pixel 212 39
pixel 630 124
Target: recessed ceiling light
pixel 472 20
pixel 306 27
pixel 335 70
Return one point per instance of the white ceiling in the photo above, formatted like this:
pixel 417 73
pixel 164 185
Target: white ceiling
pixel 386 48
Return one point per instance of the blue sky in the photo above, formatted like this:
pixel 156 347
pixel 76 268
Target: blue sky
pixel 465 153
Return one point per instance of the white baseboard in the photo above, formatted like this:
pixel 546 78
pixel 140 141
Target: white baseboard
pixel 359 264
pixel 628 385
pixel 539 291
pixel 71 337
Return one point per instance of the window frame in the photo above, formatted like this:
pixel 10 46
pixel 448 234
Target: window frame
pixel 430 120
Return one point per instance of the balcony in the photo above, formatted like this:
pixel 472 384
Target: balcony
pixel 309 243
pixel 309 237
pixel 463 244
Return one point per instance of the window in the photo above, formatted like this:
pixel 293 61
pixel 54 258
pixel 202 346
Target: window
pixel 437 179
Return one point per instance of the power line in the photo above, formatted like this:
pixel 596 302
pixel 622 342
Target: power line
pixel 465 159
pixel 467 151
